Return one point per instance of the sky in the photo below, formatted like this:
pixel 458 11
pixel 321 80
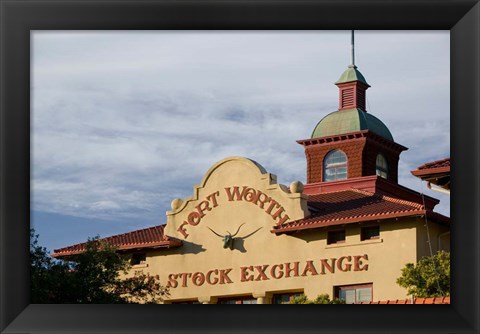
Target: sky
pixel 123 122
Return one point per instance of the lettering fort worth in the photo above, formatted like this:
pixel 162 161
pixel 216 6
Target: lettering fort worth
pixel 232 194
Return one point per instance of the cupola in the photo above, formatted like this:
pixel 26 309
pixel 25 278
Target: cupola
pixel 353 87
pixel 352 84
pixel 349 142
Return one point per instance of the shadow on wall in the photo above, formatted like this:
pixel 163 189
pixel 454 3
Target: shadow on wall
pixel 192 248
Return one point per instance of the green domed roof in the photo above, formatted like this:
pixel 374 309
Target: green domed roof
pixel 352 74
pixel 350 120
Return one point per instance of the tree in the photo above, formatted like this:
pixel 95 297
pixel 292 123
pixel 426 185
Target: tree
pixel 321 299
pixel 48 277
pixel 93 276
pixel 430 277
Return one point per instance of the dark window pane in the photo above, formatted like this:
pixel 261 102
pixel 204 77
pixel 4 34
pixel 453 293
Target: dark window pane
pixel 381 166
pixel 238 300
pixel 370 232
pixel 138 258
pixel 284 298
pixel 335 236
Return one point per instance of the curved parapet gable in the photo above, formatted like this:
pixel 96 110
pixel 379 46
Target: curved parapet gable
pixel 233 192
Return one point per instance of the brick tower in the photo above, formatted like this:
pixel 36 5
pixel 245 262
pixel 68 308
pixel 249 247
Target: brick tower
pixel 351 143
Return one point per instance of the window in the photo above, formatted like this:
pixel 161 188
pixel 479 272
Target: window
pixel 355 294
pixel 370 232
pixel 238 300
pixel 187 302
pixel 249 301
pixel 335 166
pixel 138 258
pixel 381 166
pixel 335 237
pixel 285 298
pixel 228 301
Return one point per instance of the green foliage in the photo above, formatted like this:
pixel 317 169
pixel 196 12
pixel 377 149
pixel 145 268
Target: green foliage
pixel 302 299
pixel 49 278
pixel 91 277
pixel 426 277
pixel 321 299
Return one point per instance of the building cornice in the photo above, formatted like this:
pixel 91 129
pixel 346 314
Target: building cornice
pixel 352 136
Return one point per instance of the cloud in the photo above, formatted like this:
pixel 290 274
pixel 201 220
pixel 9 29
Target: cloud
pixel 104 206
pixel 124 122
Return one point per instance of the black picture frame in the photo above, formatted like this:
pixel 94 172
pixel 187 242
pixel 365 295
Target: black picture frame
pixel 19 17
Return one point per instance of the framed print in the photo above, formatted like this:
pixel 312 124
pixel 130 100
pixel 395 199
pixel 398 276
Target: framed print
pixel 25 23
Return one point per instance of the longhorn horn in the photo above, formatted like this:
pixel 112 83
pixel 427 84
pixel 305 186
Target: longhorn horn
pixel 221 236
pixel 258 229
pixel 238 230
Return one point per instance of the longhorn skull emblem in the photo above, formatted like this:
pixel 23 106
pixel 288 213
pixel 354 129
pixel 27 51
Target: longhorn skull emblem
pixel 228 238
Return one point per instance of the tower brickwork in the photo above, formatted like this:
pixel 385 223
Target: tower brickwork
pixel 366 146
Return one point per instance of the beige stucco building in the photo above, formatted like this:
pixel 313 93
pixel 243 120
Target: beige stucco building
pixel 243 238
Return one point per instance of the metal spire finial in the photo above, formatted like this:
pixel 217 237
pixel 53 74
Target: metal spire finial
pixel 352 56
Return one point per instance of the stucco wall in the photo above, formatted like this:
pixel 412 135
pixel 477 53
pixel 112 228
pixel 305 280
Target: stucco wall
pixel 386 256
pixel 437 234
pixel 247 203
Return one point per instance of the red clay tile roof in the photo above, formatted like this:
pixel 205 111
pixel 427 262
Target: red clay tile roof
pixel 372 184
pixel 436 172
pixel 429 301
pixel 436 164
pixel 353 206
pixel 434 167
pixel 151 237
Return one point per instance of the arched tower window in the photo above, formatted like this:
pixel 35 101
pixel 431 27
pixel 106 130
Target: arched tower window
pixel 335 166
pixel 382 166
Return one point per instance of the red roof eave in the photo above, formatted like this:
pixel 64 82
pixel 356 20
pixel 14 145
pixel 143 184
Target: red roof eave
pixel 161 244
pixel 437 163
pixel 430 171
pixel 293 227
pixel 428 300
